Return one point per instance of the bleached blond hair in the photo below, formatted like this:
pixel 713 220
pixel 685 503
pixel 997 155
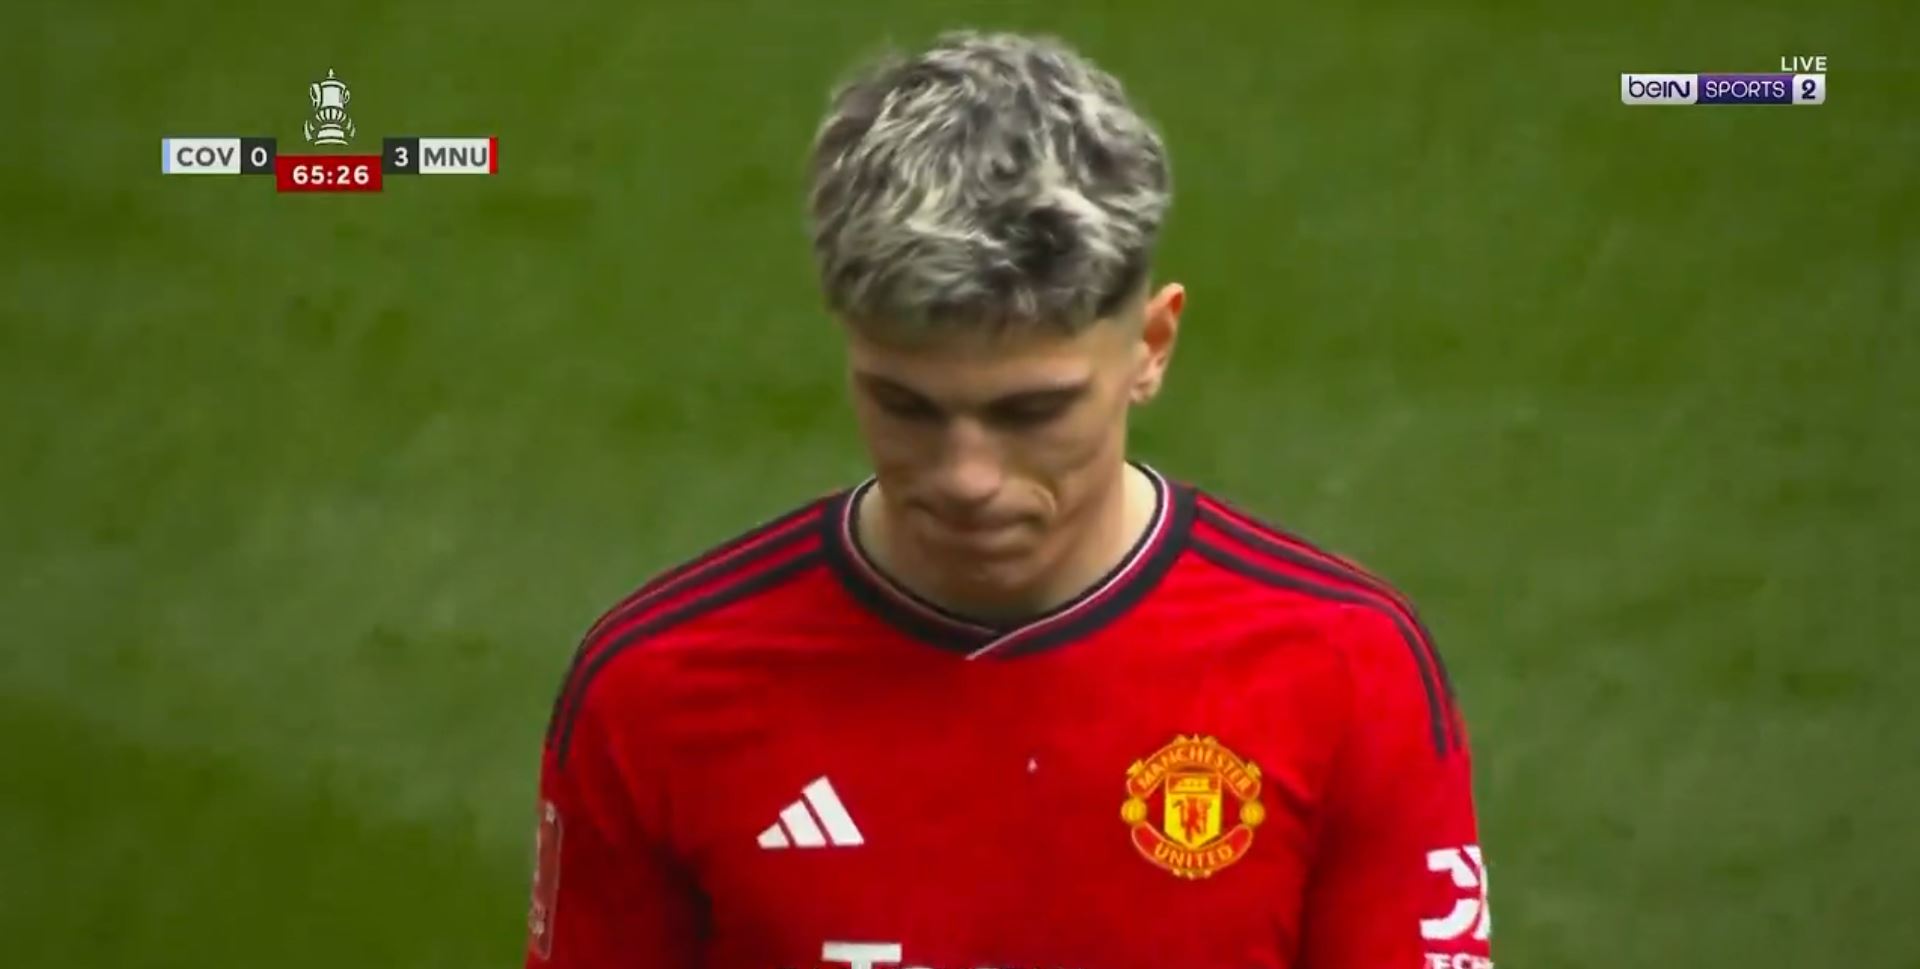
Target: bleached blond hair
pixel 992 180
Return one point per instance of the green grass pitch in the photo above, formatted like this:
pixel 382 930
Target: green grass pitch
pixel 306 498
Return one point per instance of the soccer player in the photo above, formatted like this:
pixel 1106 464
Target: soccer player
pixel 1017 700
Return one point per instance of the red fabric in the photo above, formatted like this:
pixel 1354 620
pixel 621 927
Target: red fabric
pixel 1085 806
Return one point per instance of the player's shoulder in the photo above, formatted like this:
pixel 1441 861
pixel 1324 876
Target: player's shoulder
pixel 740 570
pixel 1368 619
pixel 1282 564
pixel 737 583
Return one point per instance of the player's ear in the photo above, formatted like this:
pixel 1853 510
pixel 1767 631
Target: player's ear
pixel 1159 331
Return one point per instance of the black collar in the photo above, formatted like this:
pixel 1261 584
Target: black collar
pixel 1124 586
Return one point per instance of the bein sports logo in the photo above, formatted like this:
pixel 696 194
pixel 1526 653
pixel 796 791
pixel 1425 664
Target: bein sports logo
pixel 1470 913
pixel 1659 88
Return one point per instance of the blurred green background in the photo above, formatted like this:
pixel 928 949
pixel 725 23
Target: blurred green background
pixel 306 498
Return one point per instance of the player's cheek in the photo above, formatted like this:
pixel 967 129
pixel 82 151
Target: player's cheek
pixel 882 433
pixel 902 450
pixel 1066 456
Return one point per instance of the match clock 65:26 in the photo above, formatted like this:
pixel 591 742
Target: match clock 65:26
pixel 327 173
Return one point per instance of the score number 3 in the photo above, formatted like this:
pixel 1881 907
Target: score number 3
pixel 400 156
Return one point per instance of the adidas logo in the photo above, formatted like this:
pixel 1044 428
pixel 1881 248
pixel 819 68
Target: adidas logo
pixel 801 824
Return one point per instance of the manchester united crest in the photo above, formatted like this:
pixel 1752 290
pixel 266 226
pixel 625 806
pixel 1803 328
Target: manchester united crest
pixel 1192 806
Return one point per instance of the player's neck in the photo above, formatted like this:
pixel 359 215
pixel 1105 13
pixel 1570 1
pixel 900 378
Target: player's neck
pixel 1111 529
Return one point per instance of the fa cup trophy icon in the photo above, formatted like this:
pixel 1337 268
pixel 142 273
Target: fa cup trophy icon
pixel 329 124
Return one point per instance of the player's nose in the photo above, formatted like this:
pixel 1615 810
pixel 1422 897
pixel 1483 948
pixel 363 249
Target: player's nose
pixel 970 471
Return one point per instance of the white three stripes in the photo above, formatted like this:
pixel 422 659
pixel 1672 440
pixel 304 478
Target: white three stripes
pixel 797 825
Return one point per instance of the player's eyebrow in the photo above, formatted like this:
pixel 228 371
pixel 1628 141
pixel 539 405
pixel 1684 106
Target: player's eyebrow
pixel 1056 392
pixel 886 386
pixel 1061 393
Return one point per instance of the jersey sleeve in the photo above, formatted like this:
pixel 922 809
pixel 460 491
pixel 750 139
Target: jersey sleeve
pixel 1399 880
pixel 607 891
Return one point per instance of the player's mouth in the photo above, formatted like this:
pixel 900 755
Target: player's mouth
pixel 985 537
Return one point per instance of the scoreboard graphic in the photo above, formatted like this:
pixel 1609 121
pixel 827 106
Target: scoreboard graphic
pixel 330 125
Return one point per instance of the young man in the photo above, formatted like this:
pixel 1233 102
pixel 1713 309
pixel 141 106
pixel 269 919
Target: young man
pixel 1015 701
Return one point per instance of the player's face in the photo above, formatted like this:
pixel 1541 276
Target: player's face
pixel 991 450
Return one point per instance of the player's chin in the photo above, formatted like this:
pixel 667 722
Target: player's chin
pixel 993 580
pixel 1004 567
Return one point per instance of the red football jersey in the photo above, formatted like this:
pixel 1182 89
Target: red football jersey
pixel 1235 752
